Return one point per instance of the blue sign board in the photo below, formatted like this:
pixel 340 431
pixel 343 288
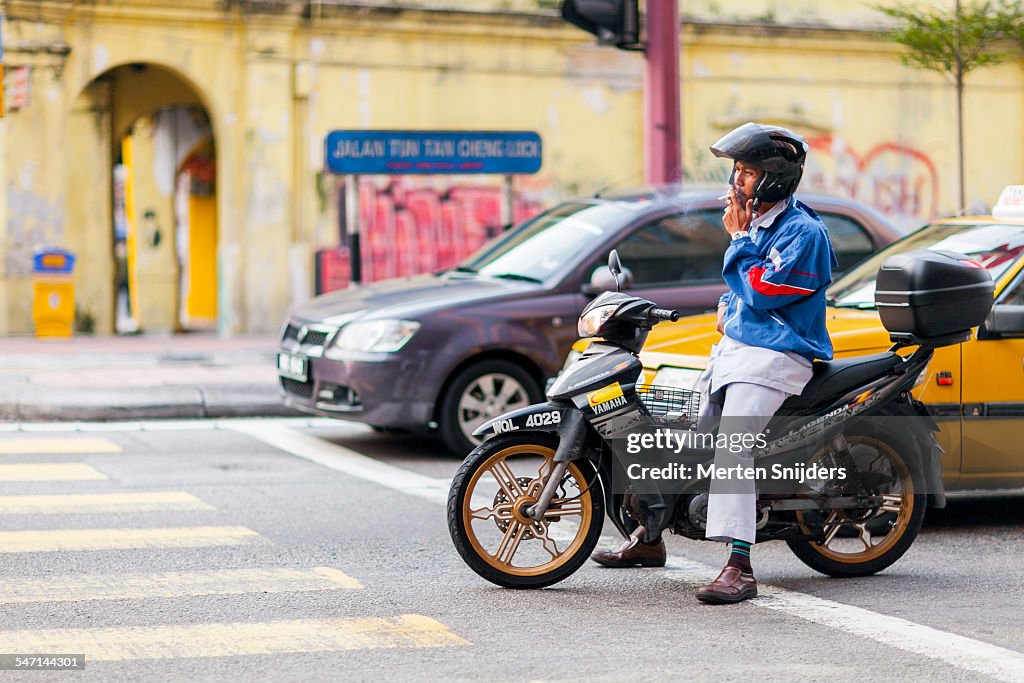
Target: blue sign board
pixel 396 152
pixel 53 261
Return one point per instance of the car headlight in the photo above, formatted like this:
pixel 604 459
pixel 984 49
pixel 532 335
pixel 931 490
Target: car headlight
pixel 373 336
pixel 677 378
pixel 590 323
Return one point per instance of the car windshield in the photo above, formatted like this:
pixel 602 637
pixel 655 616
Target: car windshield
pixel 545 245
pixel 994 245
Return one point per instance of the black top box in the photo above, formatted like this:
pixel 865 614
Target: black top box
pixel 926 294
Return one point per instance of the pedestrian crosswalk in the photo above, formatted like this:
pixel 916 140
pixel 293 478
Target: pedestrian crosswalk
pixel 61 471
pixel 43 541
pixel 54 496
pixel 173 584
pixel 78 444
pixel 94 503
pixel 235 639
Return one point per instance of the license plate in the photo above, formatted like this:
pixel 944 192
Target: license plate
pixel 292 367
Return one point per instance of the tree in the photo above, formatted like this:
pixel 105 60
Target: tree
pixel 954 43
pixel 1012 15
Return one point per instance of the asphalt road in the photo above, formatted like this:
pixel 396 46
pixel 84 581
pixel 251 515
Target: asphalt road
pixel 305 550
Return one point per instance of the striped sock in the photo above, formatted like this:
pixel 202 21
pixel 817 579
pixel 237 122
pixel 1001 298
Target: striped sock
pixel 740 556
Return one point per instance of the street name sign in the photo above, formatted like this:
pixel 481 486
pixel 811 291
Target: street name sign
pixel 398 152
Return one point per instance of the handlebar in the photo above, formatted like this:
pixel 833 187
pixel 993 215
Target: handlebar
pixel 659 314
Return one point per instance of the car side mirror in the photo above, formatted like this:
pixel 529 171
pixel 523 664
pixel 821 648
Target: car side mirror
pixel 1005 320
pixel 603 280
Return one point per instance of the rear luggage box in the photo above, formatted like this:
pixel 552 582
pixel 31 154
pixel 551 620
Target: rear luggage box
pixel 925 296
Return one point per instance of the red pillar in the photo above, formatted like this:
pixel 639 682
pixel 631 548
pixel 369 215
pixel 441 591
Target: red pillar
pixel 662 115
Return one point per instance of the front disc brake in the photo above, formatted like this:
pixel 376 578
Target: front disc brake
pixel 501 499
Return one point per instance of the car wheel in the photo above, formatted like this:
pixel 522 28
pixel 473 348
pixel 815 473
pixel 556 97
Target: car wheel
pixel 478 393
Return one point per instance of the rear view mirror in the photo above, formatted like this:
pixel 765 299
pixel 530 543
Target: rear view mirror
pixel 614 264
pixel 623 278
pixel 1005 320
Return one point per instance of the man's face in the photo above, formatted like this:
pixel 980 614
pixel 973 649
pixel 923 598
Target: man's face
pixel 745 179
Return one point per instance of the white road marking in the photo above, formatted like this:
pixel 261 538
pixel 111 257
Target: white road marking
pixel 175 425
pixel 959 651
pixel 236 639
pixel 59 540
pixel 86 503
pixel 965 653
pixel 345 460
pixel 171 584
pixel 31 446
pixel 52 471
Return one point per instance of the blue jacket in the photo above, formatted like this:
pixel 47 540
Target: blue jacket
pixel 777 285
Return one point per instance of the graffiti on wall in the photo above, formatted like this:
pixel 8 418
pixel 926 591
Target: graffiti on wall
pixel 409 228
pixel 898 180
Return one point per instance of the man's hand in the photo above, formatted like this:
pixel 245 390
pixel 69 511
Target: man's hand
pixel 738 213
pixel 721 319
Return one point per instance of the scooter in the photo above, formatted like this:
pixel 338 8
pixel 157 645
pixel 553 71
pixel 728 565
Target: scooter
pixel 525 509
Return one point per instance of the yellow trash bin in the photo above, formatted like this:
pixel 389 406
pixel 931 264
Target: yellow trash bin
pixel 53 293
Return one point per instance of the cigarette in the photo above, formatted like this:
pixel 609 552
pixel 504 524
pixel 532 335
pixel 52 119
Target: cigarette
pixel 723 197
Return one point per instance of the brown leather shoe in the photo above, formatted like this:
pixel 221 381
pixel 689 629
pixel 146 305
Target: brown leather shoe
pixel 732 585
pixel 632 553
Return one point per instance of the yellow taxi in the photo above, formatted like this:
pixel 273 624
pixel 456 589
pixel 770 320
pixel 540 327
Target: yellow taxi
pixel 975 390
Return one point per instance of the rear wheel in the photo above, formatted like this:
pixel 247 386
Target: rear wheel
pixel 478 393
pixel 864 541
pixel 487 513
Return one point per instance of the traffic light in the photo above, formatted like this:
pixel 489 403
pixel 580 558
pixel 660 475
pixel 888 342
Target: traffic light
pixel 614 22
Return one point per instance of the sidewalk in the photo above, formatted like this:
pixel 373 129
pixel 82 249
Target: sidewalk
pixel 192 375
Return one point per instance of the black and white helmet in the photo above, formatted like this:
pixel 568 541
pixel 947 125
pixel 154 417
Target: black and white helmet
pixel 780 153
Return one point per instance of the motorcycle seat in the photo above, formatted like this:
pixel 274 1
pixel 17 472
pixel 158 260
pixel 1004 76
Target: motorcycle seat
pixel 833 378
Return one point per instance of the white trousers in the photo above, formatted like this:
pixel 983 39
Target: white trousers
pixel 732 506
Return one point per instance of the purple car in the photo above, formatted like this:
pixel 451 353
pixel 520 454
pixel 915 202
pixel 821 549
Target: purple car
pixel 443 352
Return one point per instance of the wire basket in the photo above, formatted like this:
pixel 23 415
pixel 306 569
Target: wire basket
pixel 670 403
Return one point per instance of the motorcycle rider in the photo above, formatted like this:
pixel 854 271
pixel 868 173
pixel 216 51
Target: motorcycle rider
pixel 772 319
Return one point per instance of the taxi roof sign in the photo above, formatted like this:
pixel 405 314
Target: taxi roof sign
pixel 1010 203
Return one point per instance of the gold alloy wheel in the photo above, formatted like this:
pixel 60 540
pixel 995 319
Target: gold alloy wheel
pixel 875 456
pixel 503 512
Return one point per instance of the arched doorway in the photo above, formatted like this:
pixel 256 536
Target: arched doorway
pixel 156 154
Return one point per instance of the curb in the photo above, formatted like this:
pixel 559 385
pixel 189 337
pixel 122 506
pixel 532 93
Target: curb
pixel 162 402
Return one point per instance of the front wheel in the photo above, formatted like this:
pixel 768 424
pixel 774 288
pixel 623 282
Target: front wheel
pixel 860 542
pixel 487 521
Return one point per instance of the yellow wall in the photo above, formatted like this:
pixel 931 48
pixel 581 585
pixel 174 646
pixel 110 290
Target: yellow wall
pixel 275 84
pixel 87 203
pixel 855 93
pixel 36 188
